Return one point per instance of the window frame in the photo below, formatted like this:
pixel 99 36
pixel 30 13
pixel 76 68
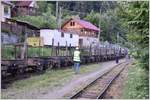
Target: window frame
pixel 6 10
pixel 71 35
pixel 62 34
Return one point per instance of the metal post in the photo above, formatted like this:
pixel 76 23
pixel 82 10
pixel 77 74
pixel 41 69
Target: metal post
pixel 58 48
pixel 57 11
pixel 59 20
pixel 70 50
pixel 24 45
pixel 15 52
pixel 99 24
pixel 52 47
pixel 66 49
pixel 42 51
pixel 90 50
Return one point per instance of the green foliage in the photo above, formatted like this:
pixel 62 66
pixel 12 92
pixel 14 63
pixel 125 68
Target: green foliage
pixel 109 24
pixel 8 52
pixel 93 18
pixel 40 21
pixel 42 6
pixel 36 52
pixel 45 20
pixel 135 16
pixel 144 61
pixel 137 85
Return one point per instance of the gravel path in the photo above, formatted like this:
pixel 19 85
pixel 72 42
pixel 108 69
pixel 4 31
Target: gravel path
pixel 78 82
pixel 115 91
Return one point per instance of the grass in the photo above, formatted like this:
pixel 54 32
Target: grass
pixel 8 52
pixel 39 52
pixel 137 85
pixel 49 80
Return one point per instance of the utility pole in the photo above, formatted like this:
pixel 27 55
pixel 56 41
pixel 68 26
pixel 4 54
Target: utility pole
pixel 117 37
pixel 99 23
pixel 57 13
pixel 59 20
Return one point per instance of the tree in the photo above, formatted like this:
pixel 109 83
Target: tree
pixel 109 24
pixel 135 16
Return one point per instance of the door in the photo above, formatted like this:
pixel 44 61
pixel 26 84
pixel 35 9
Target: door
pixel 80 42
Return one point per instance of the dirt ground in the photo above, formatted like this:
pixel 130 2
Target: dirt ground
pixel 115 91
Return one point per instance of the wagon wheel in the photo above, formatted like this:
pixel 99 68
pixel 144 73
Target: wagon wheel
pixel 40 69
pixel 3 73
pixel 59 65
pixel 50 66
pixel 19 73
pixel 21 69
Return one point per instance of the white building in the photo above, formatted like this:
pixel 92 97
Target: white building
pixel 59 36
pixel 5 10
pixel 87 41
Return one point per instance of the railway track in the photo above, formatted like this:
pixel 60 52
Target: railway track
pixel 97 88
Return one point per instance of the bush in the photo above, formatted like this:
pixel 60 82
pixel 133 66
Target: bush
pixel 144 59
pixel 137 85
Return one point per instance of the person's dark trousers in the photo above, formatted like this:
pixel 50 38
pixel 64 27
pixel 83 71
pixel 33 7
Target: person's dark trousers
pixel 76 67
pixel 117 59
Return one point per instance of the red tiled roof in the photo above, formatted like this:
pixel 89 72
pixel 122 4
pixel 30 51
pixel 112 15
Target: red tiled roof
pixel 23 3
pixel 85 24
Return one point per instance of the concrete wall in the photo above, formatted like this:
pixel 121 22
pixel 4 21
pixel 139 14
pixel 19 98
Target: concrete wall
pixel 48 35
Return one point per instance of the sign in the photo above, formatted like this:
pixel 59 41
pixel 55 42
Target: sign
pixel 35 41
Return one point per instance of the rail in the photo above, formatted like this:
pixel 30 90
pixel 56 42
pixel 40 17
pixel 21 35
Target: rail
pixel 82 93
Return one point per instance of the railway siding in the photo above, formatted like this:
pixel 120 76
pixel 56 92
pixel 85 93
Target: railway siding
pixel 95 89
pixel 81 81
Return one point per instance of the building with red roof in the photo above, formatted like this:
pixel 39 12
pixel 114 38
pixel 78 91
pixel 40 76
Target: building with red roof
pixel 24 8
pixel 88 33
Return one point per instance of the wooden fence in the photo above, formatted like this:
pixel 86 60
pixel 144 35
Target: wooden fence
pixel 17 29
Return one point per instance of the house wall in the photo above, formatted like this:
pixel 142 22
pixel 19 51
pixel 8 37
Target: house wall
pixel 4 15
pixel 21 11
pixel 68 26
pixel 48 35
pixel 79 29
pixel 24 11
pixel 8 39
pixel 89 40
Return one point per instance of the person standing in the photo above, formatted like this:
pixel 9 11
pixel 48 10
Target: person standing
pixel 117 56
pixel 76 59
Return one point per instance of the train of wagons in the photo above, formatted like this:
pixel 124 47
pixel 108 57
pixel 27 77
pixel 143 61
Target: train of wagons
pixel 57 57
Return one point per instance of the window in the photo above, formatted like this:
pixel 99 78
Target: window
pixel 82 30
pixel 71 35
pixel 72 23
pixel 6 10
pixel 62 34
